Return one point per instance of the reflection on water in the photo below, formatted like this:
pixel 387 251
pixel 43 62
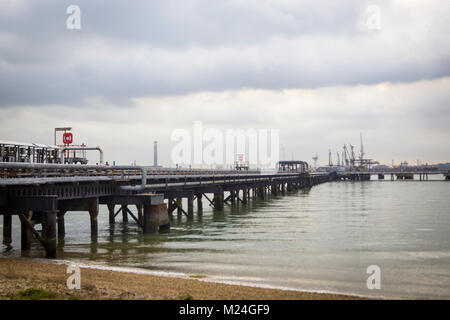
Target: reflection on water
pixel 318 239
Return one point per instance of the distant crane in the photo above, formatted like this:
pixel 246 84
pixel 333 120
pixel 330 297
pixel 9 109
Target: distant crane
pixel 350 160
pixel 349 156
pixel 352 155
pixel 346 155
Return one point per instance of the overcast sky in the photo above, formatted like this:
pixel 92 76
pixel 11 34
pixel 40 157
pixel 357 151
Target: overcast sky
pixel 320 72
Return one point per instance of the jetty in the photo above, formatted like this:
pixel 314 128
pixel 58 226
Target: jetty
pixel 43 193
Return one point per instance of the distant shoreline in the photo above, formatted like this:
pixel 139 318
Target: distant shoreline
pixel 17 275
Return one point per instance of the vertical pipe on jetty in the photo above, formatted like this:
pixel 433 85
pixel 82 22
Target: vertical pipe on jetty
pixel 218 200
pixel 179 207
pixel 111 207
pixel 25 233
pixel 151 222
pixel 93 212
pixel 7 229
pixel 61 224
pixel 124 213
pixel 244 196
pixel 50 234
pixel 163 218
pixel 170 207
pixel 199 203
pixel 190 213
pixel 140 209
pixel 273 189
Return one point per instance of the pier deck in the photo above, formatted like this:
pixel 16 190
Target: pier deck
pixel 44 193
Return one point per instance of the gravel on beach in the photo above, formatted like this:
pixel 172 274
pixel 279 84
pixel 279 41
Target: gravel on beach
pixel 18 275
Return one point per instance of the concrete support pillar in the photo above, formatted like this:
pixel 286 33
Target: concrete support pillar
pixel 111 207
pixel 50 234
pixel 190 211
pixel 93 212
pixel 283 188
pixel 156 218
pixel 25 233
pixel 124 213
pixel 199 202
pixel 151 222
pixel 7 230
pixel 61 224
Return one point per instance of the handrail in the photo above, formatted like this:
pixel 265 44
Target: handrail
pixel 37 166
pixel 143 177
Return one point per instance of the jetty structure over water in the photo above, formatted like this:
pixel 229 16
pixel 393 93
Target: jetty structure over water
pixel 43 194
pixel 39 186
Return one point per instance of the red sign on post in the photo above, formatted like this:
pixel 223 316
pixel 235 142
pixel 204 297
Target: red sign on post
pixel 67 138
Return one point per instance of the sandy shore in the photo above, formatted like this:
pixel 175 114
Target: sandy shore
pixel 17 275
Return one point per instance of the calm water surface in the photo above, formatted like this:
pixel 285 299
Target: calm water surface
pixel 322 239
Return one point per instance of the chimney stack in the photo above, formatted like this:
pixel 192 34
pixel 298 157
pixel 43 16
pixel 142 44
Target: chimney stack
pixel 155 153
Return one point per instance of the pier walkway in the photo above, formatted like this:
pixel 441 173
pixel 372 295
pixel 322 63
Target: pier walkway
pixel 44 193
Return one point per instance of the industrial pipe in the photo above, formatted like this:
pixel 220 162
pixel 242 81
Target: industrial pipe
pixel 81 148
pixel 143 178
pixel 37 166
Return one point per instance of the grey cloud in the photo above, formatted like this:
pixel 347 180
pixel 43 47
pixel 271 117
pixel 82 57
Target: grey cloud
pixel 176 23
pixel 152 48
pixel 406 121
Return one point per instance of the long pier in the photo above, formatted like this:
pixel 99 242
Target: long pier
pixel 44 193
pixel 395 174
